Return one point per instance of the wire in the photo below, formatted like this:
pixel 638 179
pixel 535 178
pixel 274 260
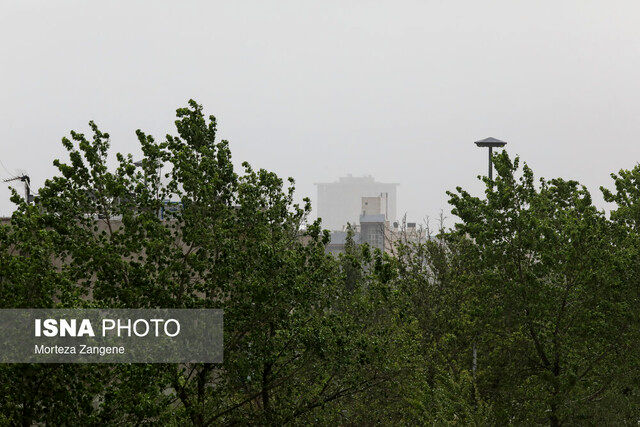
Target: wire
pixel 5 168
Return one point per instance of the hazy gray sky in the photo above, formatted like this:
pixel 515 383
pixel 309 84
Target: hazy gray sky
pixel 314 90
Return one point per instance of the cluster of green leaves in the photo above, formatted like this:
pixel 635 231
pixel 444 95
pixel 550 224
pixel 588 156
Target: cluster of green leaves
pixel 524 313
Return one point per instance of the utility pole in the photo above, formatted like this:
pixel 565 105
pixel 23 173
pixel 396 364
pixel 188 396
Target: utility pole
pixel 27 185
pixel 490 143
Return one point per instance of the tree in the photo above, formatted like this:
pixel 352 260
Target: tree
pixel 554 314
pixel 183 229
pixel 536 279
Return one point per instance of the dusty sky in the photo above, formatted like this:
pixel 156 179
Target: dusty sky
pixel 315 90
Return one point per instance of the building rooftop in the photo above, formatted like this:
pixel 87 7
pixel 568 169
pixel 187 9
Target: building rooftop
pixel 350 179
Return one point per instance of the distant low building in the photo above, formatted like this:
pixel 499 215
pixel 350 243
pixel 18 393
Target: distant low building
pixel 338 241
pixel 375 229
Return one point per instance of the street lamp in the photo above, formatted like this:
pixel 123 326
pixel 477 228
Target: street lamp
pixel 490 142
pixel 487 142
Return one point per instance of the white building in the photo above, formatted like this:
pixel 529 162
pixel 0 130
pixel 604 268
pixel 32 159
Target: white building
pixel 339 202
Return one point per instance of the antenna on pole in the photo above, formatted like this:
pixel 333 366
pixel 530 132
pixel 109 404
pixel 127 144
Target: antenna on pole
pixel 27 185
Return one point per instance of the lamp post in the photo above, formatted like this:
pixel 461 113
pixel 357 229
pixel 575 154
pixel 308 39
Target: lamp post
pixel 491 143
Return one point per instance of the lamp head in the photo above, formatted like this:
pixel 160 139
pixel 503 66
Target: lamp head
pixel 490 142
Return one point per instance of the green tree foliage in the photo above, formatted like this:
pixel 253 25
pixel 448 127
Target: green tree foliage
pixel 524 313
pixel 553 312
pixel 294 341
